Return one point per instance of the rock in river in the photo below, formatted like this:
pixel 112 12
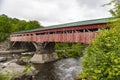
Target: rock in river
pixel 16 70
pixel 3 59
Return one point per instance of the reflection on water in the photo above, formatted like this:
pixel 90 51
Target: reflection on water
pixel 65 69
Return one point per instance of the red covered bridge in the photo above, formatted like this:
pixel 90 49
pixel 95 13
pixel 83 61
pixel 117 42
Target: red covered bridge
pixel 82 31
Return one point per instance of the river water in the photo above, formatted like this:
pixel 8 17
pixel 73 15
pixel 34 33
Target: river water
pixel 64 69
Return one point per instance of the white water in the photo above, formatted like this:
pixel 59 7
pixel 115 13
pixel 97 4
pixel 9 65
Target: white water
pixel 65 69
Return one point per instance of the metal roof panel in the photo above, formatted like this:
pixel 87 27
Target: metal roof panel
pixel 79 23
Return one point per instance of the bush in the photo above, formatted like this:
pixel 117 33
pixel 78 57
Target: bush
pixel 73 53
pixel 70 49
pixel 102 59
pixel 60 53
pixel 76 50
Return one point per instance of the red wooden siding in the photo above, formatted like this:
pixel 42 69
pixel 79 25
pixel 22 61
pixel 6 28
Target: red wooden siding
pixel 81 37
pixel 60 34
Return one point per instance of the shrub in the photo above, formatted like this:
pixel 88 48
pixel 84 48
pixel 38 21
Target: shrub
pixel 102 59
pixel 60 53
pixel 70 49
pixel 76 50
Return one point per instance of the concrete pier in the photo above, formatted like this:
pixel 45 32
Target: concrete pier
pixel 45 52
pixel 43 58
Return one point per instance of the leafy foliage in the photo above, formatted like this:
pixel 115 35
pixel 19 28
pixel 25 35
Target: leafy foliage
pixel 102 59
pixel 116 10
pixel 69 49
pixel 27 68
pixel 9 25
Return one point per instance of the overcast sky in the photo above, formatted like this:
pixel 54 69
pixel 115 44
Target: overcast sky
pixel 52 12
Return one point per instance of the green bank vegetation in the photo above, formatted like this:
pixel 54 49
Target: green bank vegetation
pixel 70 49
pixel 102 58
pixel 5 76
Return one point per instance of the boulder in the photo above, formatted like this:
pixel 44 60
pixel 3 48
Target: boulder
pixel 17 71
pixel 3 59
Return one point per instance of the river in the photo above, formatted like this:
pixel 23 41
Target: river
pixel 64 69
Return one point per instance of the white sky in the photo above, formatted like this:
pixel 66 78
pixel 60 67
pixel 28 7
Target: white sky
pixel 52 12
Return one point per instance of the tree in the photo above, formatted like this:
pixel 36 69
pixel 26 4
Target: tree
pixel 102 59
pixel 116 10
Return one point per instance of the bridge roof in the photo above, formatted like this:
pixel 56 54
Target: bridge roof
pixel 72 24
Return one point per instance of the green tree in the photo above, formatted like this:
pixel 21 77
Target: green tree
pixel 102 59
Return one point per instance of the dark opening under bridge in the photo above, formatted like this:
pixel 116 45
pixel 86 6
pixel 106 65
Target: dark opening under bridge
pixel 82 31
